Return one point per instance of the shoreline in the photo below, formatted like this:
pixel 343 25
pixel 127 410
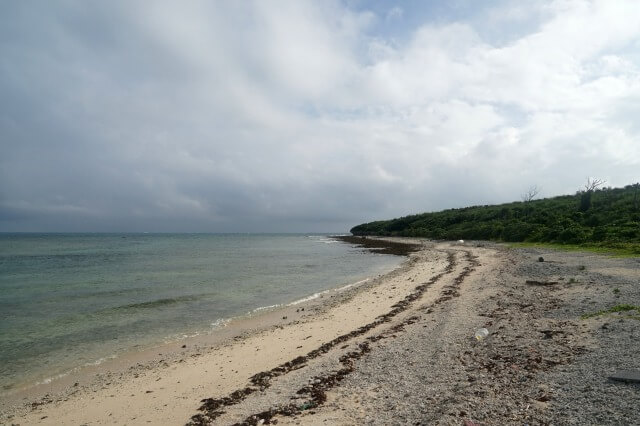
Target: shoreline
pixel 222 329
pixel 400 349
pixel 116 368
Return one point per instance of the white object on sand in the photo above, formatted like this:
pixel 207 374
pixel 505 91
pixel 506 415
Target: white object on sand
pixel 481 333
pixel 461 241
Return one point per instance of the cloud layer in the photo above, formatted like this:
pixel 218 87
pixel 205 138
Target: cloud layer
pixel 306 116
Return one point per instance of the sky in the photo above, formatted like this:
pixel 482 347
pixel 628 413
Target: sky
pixel 306 116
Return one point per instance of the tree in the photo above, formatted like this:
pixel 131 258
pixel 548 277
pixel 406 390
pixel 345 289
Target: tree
pixel 530 194
pixel 593 184
pixel 585 196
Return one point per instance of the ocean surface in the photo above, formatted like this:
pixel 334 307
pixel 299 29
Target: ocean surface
pixel 68 300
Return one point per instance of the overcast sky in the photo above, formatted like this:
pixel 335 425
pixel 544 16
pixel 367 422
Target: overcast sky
pixel 270 116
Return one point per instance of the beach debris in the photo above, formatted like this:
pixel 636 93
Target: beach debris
pixel 481 334
pixel 627 376
pixel 541 259
pixel 307 405
pixel 460 241
pixel 542 283
pixel 380 246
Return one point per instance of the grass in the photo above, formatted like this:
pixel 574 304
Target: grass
pixel 617 250
pixel 617 308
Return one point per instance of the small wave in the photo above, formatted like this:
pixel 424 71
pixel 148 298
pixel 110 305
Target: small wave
pixel 76 369
pixel 51 379
pixel 215 325
pixel 178 337
pixel 308 298
pixel 100 361
pixel 220 323
pixel 264 308
pixel 322 293
pixel 348 286
pixel 326 240
pixel 322 239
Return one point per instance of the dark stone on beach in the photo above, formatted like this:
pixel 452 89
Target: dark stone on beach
pixel 541 259
pixel 184 346
pixel 627 376
pixel 284 317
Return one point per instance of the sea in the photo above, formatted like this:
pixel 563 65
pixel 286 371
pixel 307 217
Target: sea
pixel 74 300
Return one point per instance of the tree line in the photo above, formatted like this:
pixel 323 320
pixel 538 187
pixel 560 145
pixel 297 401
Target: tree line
pixel 594 215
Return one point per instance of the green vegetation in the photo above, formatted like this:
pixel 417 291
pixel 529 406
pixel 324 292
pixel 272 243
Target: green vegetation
pixel 617 308
pixel 602 220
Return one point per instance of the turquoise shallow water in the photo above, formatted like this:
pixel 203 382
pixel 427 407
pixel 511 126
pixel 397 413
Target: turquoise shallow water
pixel 72 299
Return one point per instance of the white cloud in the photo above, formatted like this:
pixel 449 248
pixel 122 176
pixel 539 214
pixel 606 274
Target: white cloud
pixel 250 113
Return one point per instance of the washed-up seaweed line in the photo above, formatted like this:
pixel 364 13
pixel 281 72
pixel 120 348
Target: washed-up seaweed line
pixel 212 408
pixel 321 384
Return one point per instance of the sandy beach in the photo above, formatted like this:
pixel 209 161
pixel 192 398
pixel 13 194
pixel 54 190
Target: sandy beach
pixel 396 349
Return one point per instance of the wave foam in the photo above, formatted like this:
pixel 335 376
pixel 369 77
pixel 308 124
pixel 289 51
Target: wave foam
pixel 220 323
pixel 76 369
pixel 322 239
pixel 322 293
